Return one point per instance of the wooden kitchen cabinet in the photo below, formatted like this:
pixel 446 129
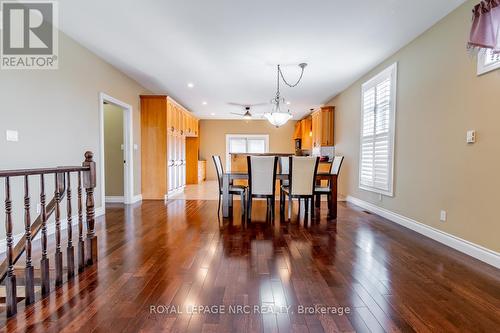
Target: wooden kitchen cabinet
pixel 307 133
pixel 164 129
pixel 154 146
pixel 297 134
pixel 323 127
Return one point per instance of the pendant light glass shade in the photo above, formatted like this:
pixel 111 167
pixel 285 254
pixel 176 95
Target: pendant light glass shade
pixel 278 119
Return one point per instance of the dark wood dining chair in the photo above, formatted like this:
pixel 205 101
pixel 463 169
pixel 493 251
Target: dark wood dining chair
pixel 302 180
pixel 233 189
pixel 326 190
pixel 262 182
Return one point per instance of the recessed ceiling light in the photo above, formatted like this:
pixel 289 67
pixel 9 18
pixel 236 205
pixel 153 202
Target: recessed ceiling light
pixel 204 103
pixel 190 85
pixel 288 103
pixel 212 114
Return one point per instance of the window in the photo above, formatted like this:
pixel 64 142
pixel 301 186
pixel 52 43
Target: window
pixel 245 143
pixel 487 61
pixel 378 111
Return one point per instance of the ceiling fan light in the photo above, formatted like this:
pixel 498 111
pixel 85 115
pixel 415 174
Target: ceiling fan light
pixel 278 119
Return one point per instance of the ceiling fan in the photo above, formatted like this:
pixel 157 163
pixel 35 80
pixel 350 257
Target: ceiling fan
pixel 247 115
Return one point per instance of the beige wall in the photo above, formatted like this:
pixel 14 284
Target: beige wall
pixel 57 115
pixel 113 158
pixel 213 138
pixel 439 98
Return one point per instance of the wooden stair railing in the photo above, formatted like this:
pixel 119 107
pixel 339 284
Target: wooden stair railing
pixel 20 247
pixel 87 249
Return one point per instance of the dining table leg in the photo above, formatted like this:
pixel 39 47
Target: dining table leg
pixel 225 195
pixel 332 203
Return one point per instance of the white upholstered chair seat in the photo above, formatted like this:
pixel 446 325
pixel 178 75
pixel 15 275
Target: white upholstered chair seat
pixel 322 189
pixel 237 188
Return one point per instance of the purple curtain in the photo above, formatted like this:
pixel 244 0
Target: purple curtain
pixel 485 31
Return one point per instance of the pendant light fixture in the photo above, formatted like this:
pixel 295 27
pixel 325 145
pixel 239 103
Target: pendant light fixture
pixel 278 115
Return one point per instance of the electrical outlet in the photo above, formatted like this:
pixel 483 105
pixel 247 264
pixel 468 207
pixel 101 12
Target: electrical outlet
pixel 380 197
pixel 443 216
pixel 38 208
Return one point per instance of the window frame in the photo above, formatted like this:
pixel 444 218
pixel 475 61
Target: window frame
pixel 245 136
pixel 391 72
pixel 482 68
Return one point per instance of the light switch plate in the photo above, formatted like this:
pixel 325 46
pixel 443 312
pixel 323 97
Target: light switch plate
pixel 136 147
pixel 471 136
pixel 443 216
pixel 12 135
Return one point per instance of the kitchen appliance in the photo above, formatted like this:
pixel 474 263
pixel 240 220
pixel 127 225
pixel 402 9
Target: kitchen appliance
pixel 298 144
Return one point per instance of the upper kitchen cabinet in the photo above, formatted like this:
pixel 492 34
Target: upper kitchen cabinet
pixel 181 121
pixel 307 133
pixel 297 134
pixel 323 127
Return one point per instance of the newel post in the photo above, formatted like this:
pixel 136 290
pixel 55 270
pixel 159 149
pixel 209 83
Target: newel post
pixel 89 183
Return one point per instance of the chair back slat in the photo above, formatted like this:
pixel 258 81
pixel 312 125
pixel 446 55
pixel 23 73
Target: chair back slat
pixel 303 174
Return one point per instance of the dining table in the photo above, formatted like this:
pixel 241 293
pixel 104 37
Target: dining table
pixel 228 177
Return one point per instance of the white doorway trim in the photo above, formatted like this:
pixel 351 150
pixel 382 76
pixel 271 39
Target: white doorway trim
pixel 128 146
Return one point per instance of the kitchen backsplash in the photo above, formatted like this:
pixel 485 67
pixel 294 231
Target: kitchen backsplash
pixel 324 151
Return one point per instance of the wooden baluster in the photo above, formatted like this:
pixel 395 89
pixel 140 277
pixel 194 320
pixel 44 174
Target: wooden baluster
pixel 44 262
pixel 29 271
pixel 10 280
pixel 81 247
pixel 70 252
pixel 89 182
pixel 58 254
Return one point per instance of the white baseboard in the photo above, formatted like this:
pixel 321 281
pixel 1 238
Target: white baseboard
pixel 136 198
pixel 51 228
pixel 119 199
pixel 481 253
pixel 176 191
pixel 100 211
pixel 114 199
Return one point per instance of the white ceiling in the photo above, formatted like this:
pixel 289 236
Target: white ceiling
pixel 228 49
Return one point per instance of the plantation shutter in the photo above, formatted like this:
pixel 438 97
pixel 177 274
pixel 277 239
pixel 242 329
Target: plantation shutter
pixel 377 133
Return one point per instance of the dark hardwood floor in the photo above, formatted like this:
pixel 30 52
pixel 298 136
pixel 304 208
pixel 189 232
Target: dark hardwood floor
pixel 381 276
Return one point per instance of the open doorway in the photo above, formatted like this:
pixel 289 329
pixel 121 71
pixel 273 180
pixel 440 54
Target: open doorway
pixel 116 150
